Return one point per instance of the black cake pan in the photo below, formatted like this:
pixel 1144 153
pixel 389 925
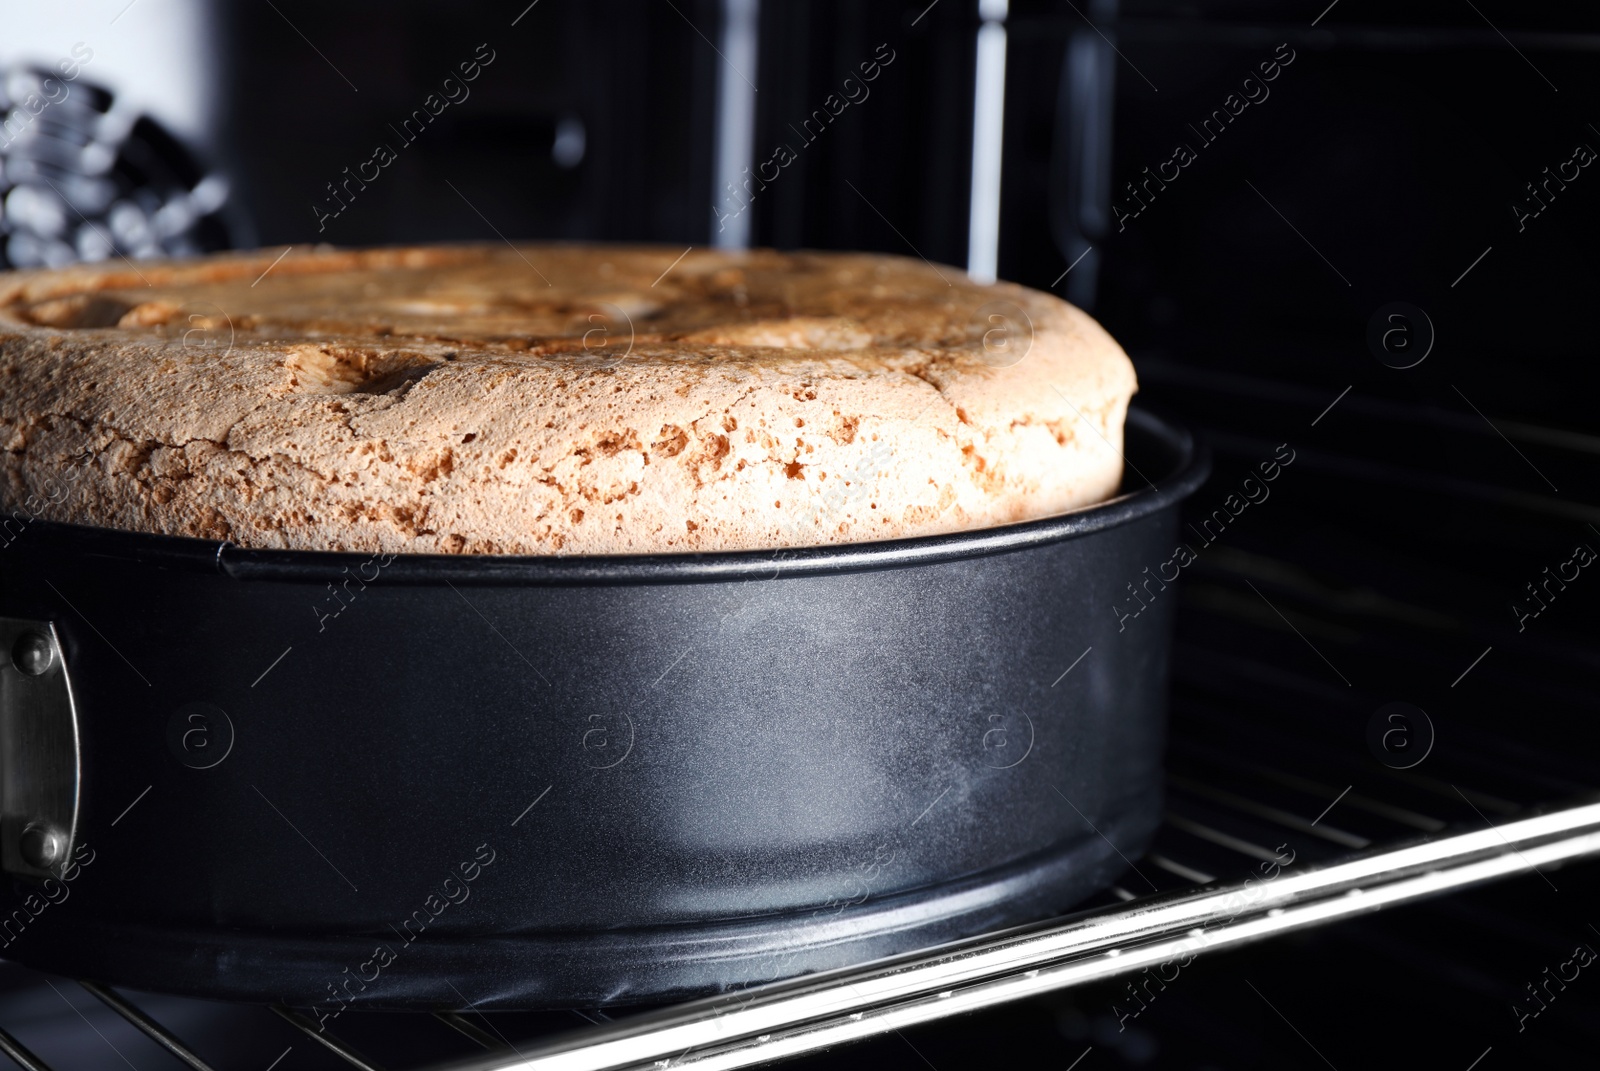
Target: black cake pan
pixel 331 780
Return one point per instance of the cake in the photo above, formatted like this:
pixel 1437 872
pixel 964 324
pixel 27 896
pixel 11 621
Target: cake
pixel 549 399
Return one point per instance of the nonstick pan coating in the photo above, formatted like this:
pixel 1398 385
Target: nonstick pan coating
pixel 338 779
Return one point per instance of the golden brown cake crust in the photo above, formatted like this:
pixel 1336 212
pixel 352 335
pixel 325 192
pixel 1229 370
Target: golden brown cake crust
pixel 549 399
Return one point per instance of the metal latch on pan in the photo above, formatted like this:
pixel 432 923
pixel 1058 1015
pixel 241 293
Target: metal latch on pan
pixel 39 764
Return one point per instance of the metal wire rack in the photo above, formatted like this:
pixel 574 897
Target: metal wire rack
pixel 1244 855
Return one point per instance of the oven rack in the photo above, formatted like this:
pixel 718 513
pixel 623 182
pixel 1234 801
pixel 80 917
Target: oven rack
pixel 1190 913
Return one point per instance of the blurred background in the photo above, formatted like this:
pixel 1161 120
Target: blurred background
pixel 1364 229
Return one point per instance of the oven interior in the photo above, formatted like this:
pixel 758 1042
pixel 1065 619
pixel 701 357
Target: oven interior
pixel 1386 595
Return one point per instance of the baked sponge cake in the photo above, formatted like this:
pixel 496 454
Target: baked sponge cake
pixel 549 399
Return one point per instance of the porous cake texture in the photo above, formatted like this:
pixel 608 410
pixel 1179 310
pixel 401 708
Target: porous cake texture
pixel 549 399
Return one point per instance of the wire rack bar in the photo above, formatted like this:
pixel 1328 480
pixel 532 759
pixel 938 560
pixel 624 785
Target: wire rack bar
pixel 151 1029
pixel 461 1023
pixel 325 1039
pixel 820 1011
pixel 20 1054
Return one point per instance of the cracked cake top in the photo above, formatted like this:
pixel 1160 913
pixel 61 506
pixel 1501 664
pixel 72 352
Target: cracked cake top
pixel 549 399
